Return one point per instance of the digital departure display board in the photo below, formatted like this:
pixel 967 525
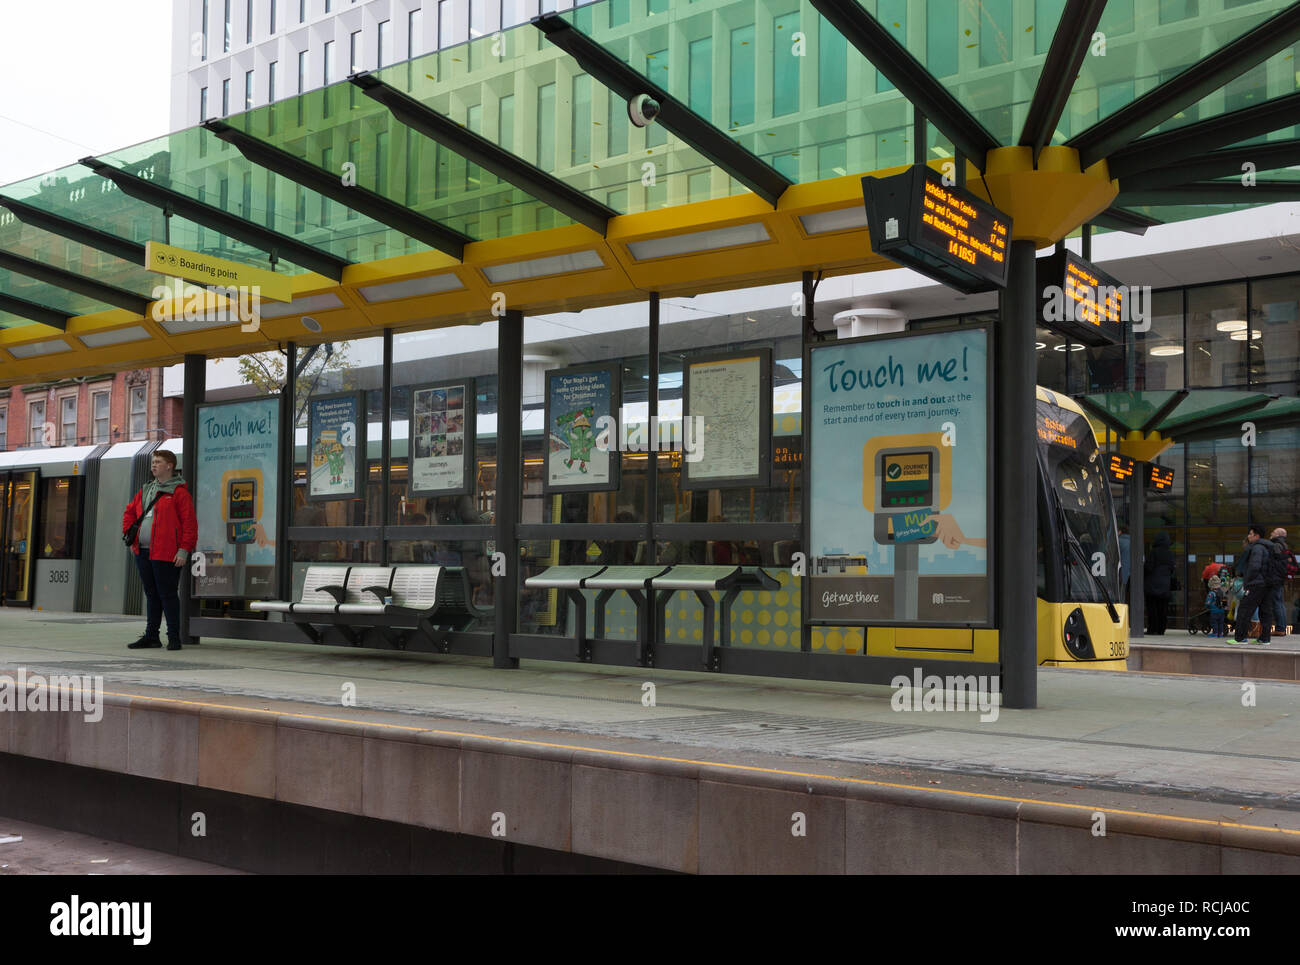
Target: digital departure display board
pixel 1120 468
pixel 944 232
pixel 1159 478
pixel 1080 301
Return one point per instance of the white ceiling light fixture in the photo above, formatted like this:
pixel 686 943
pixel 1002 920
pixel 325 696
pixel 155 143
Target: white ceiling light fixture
pixel 697 241
pixel 312 303
pixel 429 285
pixel 182 326
pixel 117 336
pixel 840 219
pixel 1040 345
pixel 1165 351
pixel 33 350
pixel 1232 325
pixel 541 267
pixel 310 323
pixel 1241 336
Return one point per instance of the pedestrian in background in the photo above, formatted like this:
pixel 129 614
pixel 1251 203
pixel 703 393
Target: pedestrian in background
pixel 1259 586
pixel 166 535
pixel 1278 538
pixel 1159 573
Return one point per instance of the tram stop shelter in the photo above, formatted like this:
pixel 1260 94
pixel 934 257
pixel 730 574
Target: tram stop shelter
pixel 476 190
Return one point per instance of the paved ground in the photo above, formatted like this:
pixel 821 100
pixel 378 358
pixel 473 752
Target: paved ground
pixel 48 851
pixel 1181 638
pixel 1163 739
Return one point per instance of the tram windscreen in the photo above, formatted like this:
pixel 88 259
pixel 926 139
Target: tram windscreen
pixel 1076 474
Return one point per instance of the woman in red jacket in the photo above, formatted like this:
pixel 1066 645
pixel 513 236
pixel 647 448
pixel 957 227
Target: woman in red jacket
pixel 168 533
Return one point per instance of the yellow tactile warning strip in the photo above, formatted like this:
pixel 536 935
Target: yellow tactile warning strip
pixel 743 768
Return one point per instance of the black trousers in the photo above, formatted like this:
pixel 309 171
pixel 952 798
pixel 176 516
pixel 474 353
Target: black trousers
pixel 1256 596
pixel 161 579
pixel 1157 614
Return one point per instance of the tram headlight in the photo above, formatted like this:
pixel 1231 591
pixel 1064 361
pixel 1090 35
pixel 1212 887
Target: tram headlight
pixel 1075 634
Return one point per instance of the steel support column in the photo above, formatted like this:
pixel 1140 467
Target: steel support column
pixel 510 368
pixel 284 516
pixel 1014 481
pixel 652 433
pixel 1137 512
pixel 195 387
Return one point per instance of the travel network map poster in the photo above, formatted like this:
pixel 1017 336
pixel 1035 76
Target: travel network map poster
pixel 235 495
pixel 580 404
pixel 441 435
pixel 729 399
pixel 899 468
pixel 336 436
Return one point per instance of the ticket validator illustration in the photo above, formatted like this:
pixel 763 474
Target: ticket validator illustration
pixel 241 510
pixel 906 482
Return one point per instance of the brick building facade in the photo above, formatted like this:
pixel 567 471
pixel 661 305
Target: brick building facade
pixel 88 411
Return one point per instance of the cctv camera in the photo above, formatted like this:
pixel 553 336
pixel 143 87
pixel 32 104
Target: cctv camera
pixel 643 109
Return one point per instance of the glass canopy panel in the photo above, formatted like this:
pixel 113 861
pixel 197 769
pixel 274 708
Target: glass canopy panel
pixel 1132 409
pixel 339 126
pixel 1206 405
pixel 988 54
pixel 26 241
pixel 1275 77
pixel 531 99
pixel 776 77
pixel 1169 213
pixel 1147 42
pixel 49 296
pixel 80 195
pixel 198 165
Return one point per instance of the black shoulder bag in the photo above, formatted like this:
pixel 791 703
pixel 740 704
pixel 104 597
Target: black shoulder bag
pixel 128 537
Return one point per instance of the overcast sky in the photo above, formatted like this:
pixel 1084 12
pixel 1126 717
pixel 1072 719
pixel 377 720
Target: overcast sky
pixel 80 77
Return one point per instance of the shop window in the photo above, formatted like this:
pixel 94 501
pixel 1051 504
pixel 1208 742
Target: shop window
pixel 139 415
pixel 4 429
pixel 68 420
pixel 99 405
pixel 36 435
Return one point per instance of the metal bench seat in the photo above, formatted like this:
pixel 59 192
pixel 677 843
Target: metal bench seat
pixel 411 588
pixel 704 581
pixel 314 590
pixel 569 581
pixel 360 579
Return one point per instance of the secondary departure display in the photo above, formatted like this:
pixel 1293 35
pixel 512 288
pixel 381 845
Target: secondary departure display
pixel 1080 301
pixel 1160 478
pixel 1120 468
pixel 942 231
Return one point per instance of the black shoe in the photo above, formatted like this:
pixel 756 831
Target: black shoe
pixel 173 643
pixel 144 643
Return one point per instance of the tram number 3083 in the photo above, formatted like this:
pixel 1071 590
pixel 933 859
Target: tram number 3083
pixel 60 576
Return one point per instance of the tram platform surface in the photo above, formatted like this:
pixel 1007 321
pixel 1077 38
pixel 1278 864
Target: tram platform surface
pixel 1182 754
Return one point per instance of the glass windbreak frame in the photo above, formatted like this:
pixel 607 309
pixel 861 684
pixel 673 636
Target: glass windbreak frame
pixel 354 365
pixel 463 354
pixel 709 326
pixel 614 338
pixel 1148 43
